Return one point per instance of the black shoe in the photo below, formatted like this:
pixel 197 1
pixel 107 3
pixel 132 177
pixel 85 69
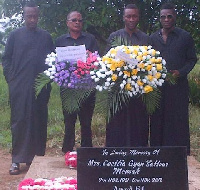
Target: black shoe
pixel 14 169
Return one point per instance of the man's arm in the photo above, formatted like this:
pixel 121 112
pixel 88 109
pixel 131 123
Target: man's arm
pixel 7 57
pixel 191 57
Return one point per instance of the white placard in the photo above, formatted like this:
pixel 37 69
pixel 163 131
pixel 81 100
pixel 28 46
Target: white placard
pixel 71 53
pixel 126 57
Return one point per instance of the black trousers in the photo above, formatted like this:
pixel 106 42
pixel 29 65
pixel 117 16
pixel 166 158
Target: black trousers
pixel 170 123
pixel 85 116
pixel 129 127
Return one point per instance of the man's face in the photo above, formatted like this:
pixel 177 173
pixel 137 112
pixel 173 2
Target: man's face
pixel 31 17
pixel 131 18
pixel 75 22
pixel 167 18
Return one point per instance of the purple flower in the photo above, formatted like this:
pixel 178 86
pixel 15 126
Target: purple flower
pixel 58 68
pixel 62 65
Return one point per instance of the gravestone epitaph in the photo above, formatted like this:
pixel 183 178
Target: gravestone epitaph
pixel 155 168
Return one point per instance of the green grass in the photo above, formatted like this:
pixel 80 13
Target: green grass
pixel 195 131
pixel 56 125
pixel 5 134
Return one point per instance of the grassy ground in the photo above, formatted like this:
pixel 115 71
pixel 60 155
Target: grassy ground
pixel 56 126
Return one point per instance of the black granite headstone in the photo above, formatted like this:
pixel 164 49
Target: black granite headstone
pixel 155 168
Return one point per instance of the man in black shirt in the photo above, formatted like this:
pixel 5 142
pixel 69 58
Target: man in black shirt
pixel 77 37
pixel 23 60
pixel 170 125
pixel 129 126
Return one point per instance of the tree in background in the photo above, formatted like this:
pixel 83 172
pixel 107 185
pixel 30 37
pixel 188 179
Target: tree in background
pixel 105 16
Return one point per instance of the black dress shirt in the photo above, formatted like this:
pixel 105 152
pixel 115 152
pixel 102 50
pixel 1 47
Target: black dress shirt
pixel 84 39
pixel 178 51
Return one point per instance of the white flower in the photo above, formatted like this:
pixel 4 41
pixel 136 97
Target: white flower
pixel 108 79
pixel 47 73
pixel 100 88
pixel 164 75
pixel 125 76
pixel 92 72
pixel 125 67
pixel 162 81
pixel 129 80
pixel 157 53
pixel 121 85
pixel 107 84
pixel 96 63
pixel 96 79
pixel 148 56
pixel 98 73
pixel 163 62
pixel 98 58
pixel 144 80
pixel 144 58
pixel 120 73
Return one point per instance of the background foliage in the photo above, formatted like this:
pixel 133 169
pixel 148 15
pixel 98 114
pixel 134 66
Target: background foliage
pixel 105 16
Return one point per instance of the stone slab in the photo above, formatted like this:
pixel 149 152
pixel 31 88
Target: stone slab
pixel 49 167
pixel 53 167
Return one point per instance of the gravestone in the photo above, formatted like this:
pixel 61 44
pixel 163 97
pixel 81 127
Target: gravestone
pixel 155 168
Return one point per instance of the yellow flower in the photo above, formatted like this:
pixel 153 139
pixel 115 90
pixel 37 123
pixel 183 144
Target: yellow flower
pixel 158 60
pixel 149 67
pixel 135 51
pixel 150 77
pixel 140 83
pixel 153 52
pixel 141 65
pixel 145 53
pixel 139 57
pixel 120 63
pixel 128 87
pixel 113 51
pixel 127 51
pixel 157 75
pixel 159 67
pixel 127 73
pixel 134 72
pixel 106 59
pixel 145 47
pixel 152 60
pixel 113 67
pixel 148 89
pixel 114 77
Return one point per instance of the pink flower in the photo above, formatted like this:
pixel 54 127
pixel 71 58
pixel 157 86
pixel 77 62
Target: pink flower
pixel 26 182
pixel 82 72
pixel 71 181
pixel 71 159
pixel 72 162
pixel 41 183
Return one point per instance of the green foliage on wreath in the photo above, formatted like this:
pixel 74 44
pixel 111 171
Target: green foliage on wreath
pixel 72 98
pixel 40 82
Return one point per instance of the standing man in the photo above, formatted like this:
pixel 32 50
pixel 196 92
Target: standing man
pixel 24 59
pixel 129 126
pixel 170 125
pixel 76 37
